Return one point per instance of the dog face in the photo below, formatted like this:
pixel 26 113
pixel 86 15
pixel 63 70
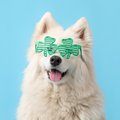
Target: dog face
pixel 58 68
pixel 55 68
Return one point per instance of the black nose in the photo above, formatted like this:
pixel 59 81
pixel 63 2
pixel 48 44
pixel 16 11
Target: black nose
pixel 55 60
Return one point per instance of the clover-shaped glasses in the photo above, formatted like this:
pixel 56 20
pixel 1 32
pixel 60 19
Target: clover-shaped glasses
pixel 65 49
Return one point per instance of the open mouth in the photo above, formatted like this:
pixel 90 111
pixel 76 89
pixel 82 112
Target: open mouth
pixel 55 75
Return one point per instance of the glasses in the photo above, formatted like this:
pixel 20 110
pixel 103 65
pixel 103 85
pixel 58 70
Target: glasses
pixel 66 49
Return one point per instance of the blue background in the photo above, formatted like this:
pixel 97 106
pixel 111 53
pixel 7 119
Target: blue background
pixel 17 22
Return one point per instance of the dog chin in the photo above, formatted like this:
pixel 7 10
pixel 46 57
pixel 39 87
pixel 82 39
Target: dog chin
pixel 61 82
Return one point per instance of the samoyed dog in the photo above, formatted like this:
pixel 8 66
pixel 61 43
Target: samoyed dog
pixel 56 88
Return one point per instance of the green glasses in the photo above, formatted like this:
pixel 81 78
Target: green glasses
pixel 66 49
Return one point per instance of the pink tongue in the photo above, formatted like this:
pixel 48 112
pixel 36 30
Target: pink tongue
pixel 55 75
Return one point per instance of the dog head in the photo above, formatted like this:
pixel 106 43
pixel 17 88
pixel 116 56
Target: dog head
pixel 55 68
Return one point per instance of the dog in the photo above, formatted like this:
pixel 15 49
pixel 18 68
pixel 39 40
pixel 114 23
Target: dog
pixel 56 88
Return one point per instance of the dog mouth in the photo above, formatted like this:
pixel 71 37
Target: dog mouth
pixel 56 75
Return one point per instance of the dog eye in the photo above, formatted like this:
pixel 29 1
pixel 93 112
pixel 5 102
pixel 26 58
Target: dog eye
pixel 50 49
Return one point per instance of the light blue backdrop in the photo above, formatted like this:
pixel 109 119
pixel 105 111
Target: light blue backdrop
pixel 17 21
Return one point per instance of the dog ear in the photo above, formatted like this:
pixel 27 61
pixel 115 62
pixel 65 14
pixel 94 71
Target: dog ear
pixel 81 30
pixel 44 25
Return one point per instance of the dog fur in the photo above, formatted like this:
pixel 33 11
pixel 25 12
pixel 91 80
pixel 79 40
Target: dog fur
pixel 76 96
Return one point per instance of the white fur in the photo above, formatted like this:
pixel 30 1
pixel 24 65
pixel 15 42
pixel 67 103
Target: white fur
pixel 76 96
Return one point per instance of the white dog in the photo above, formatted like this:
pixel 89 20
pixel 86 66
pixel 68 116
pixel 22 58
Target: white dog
pixel 56 88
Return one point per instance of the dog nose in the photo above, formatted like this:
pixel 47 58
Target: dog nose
pixel 55 60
